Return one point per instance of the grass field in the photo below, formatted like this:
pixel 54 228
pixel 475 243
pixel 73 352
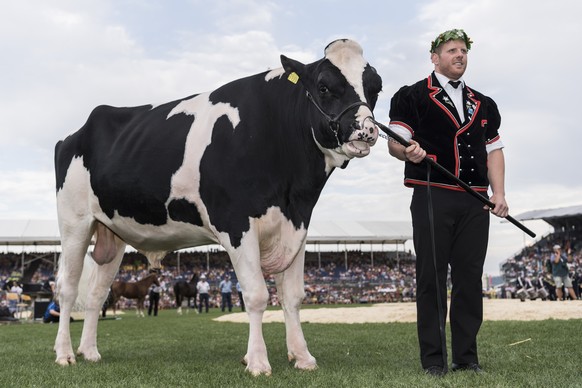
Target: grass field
pixel 194 351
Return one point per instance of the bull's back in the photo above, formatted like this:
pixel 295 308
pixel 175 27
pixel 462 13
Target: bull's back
pixel 131 155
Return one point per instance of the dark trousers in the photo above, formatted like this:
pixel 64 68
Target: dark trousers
pixel 50 319
pixel 154 302
pixel 242 301
pixel 226 301
pixel 461 227
pixel 203 298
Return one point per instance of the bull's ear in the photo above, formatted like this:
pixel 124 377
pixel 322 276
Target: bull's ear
pixel 291 65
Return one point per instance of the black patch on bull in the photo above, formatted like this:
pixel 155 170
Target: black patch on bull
pixel 268 160
pixel 184 211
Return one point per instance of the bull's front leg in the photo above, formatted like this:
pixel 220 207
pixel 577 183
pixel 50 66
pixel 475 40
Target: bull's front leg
pixel 256 296
pixel 256 358
pixel 290 287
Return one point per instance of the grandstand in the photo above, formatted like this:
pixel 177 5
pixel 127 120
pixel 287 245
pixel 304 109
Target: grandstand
pixel 358 258
pixel 372 236
pixel 530 262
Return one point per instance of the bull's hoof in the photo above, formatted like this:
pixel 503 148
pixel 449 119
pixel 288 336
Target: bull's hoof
pixel 257 370
pixel 66 361
pixel 92 356
pixel 308 364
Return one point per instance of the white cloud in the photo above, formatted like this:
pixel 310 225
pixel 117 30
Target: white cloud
pixel 62 58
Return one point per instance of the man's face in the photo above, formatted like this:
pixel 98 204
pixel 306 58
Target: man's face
pixel 451 59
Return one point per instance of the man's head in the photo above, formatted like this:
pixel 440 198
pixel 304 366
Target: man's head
pixel 557 248
pixel 449 53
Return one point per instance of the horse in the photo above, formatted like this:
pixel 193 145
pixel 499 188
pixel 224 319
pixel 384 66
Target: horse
pixel 133 290
pixel 183 289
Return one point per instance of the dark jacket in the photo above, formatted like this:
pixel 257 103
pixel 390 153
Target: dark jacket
pixel 427 112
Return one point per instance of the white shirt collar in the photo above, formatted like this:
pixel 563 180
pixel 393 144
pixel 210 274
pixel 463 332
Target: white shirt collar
pixel 443 80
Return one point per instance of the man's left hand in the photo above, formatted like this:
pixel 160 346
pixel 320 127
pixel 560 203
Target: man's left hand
pixel 501 208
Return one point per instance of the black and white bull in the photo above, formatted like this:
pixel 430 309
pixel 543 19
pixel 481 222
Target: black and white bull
pixel 242 166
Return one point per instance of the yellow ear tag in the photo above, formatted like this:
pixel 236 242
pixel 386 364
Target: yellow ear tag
pixel 293 77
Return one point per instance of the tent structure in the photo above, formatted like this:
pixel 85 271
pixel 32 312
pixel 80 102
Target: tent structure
pixel 29 232
pixel 559 218
pixel 46 232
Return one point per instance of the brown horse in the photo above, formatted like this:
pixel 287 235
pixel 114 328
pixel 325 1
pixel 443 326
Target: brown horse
pixel 183 289
pixel 133 290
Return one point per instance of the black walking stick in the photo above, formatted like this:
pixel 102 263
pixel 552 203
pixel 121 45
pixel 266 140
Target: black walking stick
pixel 450 175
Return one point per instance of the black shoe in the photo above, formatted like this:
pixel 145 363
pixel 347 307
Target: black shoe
pixel 435 371
pixel 472 366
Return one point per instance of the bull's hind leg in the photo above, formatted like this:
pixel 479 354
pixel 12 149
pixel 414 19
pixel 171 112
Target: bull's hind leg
pixel 99 285
pixel 75 238
pixel 291 292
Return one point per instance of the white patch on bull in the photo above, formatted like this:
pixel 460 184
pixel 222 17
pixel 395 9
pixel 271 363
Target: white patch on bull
pixel 334 157
pixel 274 74
pixel 186 180
pixel 279 241
pixel 152 240
pixel 185 183
pixel 347 56
pixel 73 198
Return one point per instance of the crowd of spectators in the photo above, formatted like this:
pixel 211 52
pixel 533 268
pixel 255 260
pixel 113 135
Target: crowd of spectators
pixel 378 278
pixel 530 269
pixel 385 277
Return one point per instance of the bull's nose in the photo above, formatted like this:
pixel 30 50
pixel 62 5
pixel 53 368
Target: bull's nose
pixel 370 127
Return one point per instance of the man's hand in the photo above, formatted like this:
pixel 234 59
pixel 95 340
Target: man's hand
pixel 501 208
pixel 414 153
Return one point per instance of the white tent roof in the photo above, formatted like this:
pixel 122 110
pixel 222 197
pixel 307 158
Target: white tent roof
pixel 550 213
pixel 46 232
pixel 29 232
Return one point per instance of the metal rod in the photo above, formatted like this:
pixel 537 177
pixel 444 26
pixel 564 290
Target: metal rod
pixel 452 176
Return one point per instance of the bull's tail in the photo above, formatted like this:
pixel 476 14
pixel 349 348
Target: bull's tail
pixel 87 278
pixel 178 295
pixel 87 275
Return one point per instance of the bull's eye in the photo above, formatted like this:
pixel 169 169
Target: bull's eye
pixel 323 89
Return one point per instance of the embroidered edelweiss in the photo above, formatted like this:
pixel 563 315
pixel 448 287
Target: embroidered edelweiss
pixel 448 101
pixel 470 108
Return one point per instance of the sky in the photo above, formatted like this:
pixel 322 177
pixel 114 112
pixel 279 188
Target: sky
pixel 62 58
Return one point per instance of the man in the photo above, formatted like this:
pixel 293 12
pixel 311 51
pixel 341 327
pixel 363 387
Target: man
pixel 53 312
pixel 203 288
pixel 457 127
pixel 155 292
pixel 226 293
pixel 559 262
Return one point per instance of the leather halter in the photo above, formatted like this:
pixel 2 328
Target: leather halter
pixel 334 122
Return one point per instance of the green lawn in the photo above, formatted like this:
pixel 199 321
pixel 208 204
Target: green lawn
pixel 194 351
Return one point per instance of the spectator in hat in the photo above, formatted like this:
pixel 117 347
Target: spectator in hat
pixel 203 289
pixel 559 263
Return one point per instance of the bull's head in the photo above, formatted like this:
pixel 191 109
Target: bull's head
pixel 343 89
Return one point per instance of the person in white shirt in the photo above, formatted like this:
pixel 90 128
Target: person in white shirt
pixel 203 292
